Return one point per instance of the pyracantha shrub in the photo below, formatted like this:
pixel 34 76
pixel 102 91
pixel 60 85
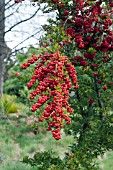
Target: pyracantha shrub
pixel 82 31
pixel 55 75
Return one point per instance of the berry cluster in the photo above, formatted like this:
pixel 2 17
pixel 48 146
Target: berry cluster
pixel 88 24
pixel 79 59
pixel 55 75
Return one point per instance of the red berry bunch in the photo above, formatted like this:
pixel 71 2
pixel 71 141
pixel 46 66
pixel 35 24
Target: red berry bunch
pixel 87 25
pixel 79 59
pixel 55 75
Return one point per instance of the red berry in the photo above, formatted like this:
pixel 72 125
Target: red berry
pixel 83 63
pixel 17 1
pixel 18 74
pixel 110 83
pixel 99 81
pixel 61 5
pixel 66 12
pixel 104 87
pixel 96 74
pixel 51 40
pixel 72 156
pixel 91 101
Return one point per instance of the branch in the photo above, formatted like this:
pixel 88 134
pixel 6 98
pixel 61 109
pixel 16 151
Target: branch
pixel 9 6
pixel 13 52
pixel 27 39
pixel 16 51
pixel 22 21
pixel 78 97
pixel 9 15
pixel 7 3
pixel 98 97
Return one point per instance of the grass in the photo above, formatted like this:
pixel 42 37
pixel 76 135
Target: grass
pixel 107 162
pixel 6 165
pixel 18 141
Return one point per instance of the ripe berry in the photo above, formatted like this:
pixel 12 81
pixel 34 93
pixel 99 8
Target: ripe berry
pixel 104 87
pixel 91 101
pixel 96 74
pixel 99 81
pixel 18 74
pixel 66 12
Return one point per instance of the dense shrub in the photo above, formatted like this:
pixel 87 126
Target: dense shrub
pixel 82 33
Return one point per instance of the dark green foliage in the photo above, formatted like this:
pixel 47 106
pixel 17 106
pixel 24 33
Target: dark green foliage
pixel 43 160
